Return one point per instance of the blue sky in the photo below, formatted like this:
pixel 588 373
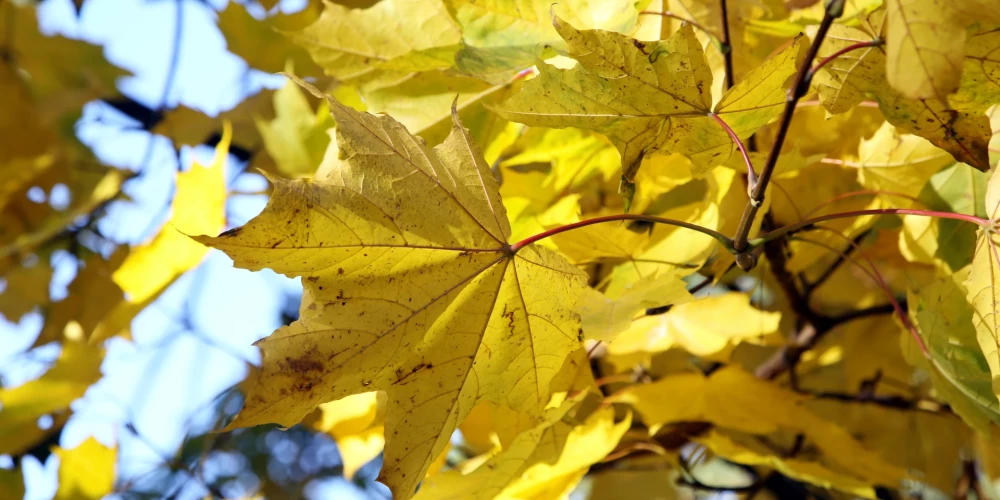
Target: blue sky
pixel 195 341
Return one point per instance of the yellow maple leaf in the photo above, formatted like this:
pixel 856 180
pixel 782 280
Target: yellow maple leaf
pixel 604 317
pixel 651 96
pixel 543 462
pixel 410 287
pixel 734 400
pixel 845 80
pixel 704 327
pixel 86 472
pixel 357 423
pixel 199 207
pixel 77 368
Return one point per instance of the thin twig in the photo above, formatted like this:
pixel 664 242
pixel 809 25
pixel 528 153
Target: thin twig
pixel 666 13
pixel 826 60
pixel 751 175
pixel 810 287
pixel 807 223
pixel 721 238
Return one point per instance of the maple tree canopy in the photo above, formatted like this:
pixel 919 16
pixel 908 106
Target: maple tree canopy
pixel 607 249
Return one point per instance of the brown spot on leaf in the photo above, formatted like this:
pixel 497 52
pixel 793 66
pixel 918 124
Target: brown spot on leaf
pixel 303 364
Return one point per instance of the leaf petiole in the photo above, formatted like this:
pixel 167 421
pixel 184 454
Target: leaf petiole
pixel 751 174
pixel 860 45
pixel 777 233
pixel 722 44
pixel 721 238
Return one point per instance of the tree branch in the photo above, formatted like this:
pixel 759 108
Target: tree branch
pixel 841 258
pixel 800 87
pixel 726 45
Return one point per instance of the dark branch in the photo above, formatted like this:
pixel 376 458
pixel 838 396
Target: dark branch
pixel 800 87
pixel 841 258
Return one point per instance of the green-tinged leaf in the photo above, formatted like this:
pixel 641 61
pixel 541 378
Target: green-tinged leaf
pixel 944 242
pixel 398 36
pixel 983 285
pixel 297 136
pixel 502 37
pixel 980 85
pixel 959 369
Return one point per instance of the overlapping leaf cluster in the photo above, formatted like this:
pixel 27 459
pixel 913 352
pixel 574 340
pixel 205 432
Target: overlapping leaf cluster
pixel 849 359
pixel 422 181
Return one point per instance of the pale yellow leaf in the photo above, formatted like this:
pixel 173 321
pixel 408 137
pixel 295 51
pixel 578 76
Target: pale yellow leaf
pixel 198 207
pixel 357 423
pixel 541 463
pixel 603 317
pixel 898 163
pixel 77 368
pixel 705 327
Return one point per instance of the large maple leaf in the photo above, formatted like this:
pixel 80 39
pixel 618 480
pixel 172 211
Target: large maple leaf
pixel 410 287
